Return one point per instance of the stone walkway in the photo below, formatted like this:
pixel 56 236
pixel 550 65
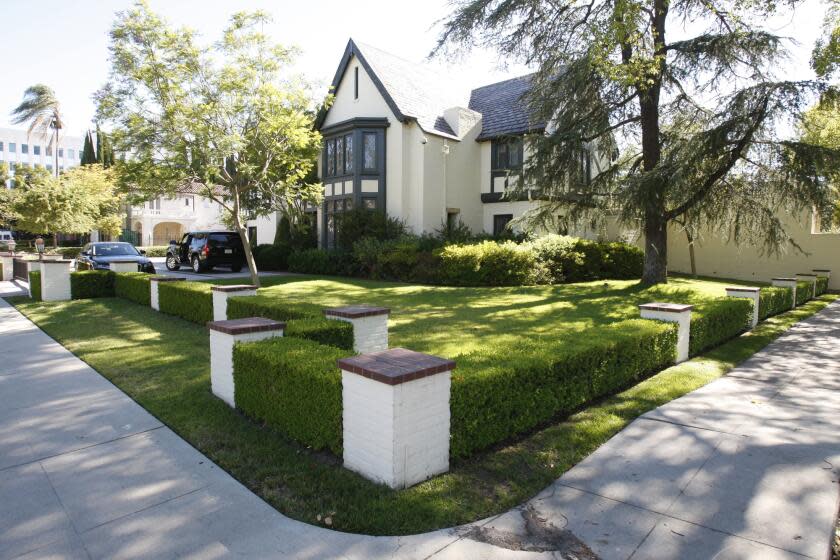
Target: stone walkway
pixel 745 467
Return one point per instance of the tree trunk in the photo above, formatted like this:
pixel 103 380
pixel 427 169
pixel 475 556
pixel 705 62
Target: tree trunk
pixel 691 253
pixel 246 244
pixel 656 249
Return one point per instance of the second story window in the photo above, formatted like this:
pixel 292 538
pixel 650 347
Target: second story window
pixel 1 146
pixel 24 148
pixel 507 154
pixel 339 160
pixel 61 152
pixel 36 150
pixel 12 147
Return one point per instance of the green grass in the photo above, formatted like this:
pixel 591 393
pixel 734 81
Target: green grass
pixel 163 363
pixel 452 321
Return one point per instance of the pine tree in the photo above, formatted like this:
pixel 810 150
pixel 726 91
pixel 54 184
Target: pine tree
pixel 88 155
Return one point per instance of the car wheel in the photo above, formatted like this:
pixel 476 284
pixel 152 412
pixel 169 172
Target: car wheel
pixel 196 264
pixel 172 262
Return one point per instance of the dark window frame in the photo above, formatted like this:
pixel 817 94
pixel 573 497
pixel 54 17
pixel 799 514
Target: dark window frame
pixel 356 83
pixel 498 227
pixel 376 149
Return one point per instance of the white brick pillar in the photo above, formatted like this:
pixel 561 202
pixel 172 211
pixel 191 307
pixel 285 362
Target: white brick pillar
pixel 223 335
pixel 751 293
pixel 221 295
pixel 125 265
pixel 55 280
pixel 396 415
pixel 6 266
pixel 787 283
pixel 673 313
pixel 809 277
pixel 154 293
pixel 370 326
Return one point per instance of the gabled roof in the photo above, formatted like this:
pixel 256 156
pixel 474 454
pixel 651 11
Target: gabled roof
pixel 503 108
pixel 412 91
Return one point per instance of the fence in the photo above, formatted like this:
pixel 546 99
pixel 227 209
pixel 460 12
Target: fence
pixel 20 269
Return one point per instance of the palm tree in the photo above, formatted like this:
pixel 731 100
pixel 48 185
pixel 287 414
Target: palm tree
pixel 41 109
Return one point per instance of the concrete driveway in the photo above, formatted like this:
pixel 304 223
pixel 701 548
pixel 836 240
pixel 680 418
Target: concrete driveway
pixel 219 273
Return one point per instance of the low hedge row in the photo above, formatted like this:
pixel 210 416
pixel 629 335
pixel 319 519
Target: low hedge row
pixel 88 284
pixel 822 285
pixel 773 300
pixel 155 250
pixel 35 284
pixel 302 320
pixel 133 286
pixel 501 392
pixel 192 301
pixel 804 292
pixel 294 386
pixel 716 321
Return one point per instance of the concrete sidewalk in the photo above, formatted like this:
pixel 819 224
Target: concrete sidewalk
pixel 745 467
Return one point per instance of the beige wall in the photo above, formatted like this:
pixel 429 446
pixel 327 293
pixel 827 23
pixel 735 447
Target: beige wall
pixel 715 257
pixel 463 177
pixel 266 228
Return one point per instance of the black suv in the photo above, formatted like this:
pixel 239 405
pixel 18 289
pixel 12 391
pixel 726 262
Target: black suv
pixel 202 250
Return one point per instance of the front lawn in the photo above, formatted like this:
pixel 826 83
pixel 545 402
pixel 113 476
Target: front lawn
pixel 163 363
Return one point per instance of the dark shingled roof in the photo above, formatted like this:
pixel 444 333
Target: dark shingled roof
pixel 503 109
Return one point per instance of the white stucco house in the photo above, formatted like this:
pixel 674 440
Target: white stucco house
pixel 160 220
pixel 397 138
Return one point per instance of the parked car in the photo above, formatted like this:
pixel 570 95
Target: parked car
pixel 203 250
pixel 98 256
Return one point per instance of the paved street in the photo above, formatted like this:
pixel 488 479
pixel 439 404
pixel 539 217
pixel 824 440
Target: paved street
pixel 745 467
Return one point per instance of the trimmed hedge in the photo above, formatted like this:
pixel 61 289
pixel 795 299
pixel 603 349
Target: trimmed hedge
pixel 192 301
pixel 822 285
pixel 502 392
pixel 319 261
pixel 302 320
pixel 571 259
pixel 133 286
pixel 714 322
pixel 774 300
pixel 88 284
pixel 294 386
pixel 35 284
pixel 487 264
pixel 804 292
pixel 272 257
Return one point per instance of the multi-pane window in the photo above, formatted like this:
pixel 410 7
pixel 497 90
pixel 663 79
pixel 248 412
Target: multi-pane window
pixel 1 146
pixel 24 148
pixel 507 154
pixel 369 151
pixel 36 150
pixel 61 152
pixel 500 223
pixel 339 156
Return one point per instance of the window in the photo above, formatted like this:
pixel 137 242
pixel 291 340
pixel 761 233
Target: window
pixel 12 147
pixel 70 154
pixel 500 223
pixel 452 220
pixel 506 154
pixel 339 156
pixel 330 158
pixel 61 152
pixel 1 146
pixel 24 148
pixel 356 84
pixel 348 154
pixel 49 167
pixel 369 151
pixel 369 203
pixel 36 150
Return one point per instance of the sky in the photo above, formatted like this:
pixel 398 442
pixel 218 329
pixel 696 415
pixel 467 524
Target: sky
pixel 64 43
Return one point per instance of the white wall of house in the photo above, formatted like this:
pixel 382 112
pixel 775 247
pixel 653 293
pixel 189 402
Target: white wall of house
pixel 162 219
pixel 266 228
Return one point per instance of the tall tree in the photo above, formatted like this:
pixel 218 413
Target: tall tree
pixel 41 109
pixel 222 117
pixel 687 128
pixel 104 152
pixel 88 153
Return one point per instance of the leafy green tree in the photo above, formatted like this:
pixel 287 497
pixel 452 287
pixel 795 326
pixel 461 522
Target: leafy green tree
pixel 81 200
pixel 88 153
pixel 683 128
pixel 7 215
pixel 41 109
pixel 104 151
pixel 221 117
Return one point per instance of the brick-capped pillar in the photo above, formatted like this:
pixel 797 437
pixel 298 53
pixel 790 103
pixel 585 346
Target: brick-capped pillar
pixel 223 335
pixel 124 265
pixel 370 326
pixel 55 280
pixel 154 297
pixel 221 295
pixel 750 293
pixel 808 277
pixel 787 283
pixel 7 266
pixel 396 415
pixel 673 313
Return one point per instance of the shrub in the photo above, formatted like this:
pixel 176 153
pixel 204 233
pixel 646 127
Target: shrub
pixel 498 393
pixel 822 285
pixel 319 261
pixel 487 264
pixel 294 386
pixel 622 261
pixel 192 301
pixel 155 250
pixel 359 223
pixel 716 321
pixel 88 284
pixel 272 257
pixel 773 300
pixel 322 330
pixel 67 252
pixel 35 284
pixel 133 286
pixel 804 291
